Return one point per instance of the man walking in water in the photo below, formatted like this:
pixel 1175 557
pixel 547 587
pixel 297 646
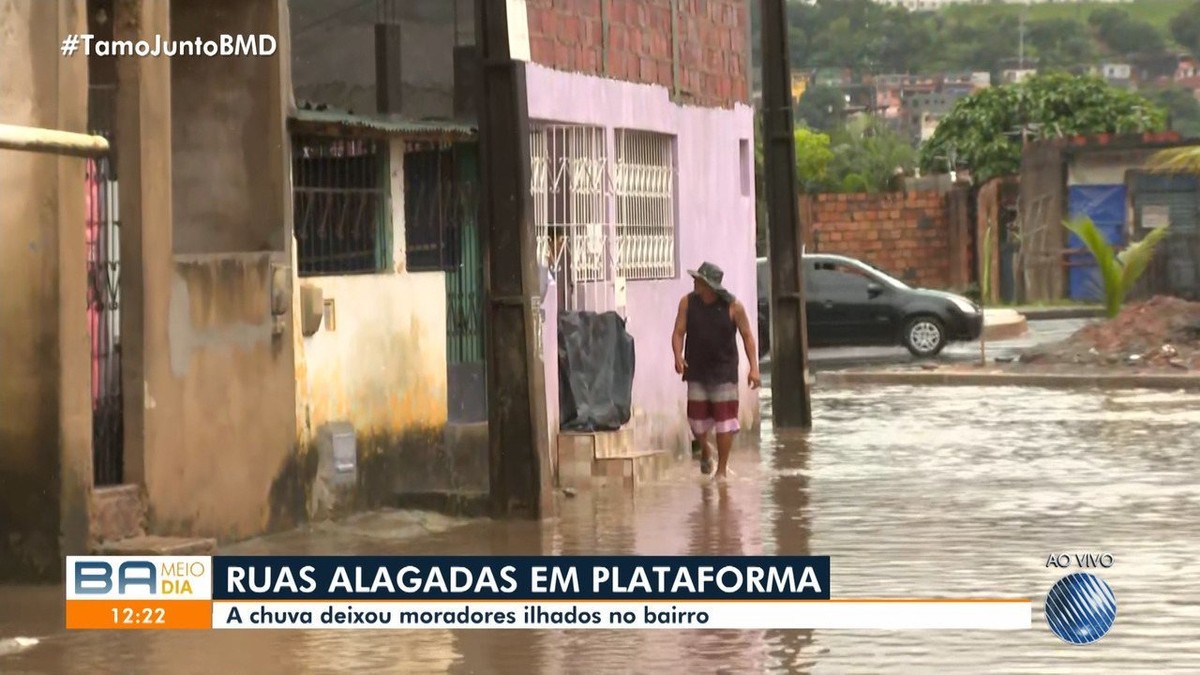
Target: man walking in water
pixel 709 319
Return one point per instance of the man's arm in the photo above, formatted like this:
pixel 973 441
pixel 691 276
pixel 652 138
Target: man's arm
pixel 678 334
pixel 743 325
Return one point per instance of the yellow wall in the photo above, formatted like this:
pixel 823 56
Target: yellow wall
pixel 382 367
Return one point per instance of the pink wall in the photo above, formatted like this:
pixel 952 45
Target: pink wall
pixel 715 189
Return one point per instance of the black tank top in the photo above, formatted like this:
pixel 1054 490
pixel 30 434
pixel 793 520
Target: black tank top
pixel 711 344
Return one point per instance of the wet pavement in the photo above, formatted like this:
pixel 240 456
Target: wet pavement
pixel 1040 332
pixel 915 492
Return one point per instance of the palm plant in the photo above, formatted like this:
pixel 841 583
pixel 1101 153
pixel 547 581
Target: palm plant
pixel 1118 271
pixel 1177 160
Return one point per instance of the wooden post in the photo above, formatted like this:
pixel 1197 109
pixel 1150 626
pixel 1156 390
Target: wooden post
pixel 517 435
pixel 789 332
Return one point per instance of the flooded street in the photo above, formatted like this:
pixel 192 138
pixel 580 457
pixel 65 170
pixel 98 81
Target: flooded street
pixel 914 492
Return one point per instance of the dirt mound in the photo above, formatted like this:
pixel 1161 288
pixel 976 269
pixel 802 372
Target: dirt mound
pixel 1160 332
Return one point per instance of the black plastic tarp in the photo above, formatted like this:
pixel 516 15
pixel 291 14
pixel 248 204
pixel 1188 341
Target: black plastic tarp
pixel 595 371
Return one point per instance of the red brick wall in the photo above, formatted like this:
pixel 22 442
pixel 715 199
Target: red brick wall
pixel 906 235
pixel 711 34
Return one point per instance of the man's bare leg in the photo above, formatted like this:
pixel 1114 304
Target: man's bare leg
pixel 724 446
pixel 705 452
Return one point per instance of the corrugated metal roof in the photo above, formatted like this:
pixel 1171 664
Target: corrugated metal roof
pixel 386 124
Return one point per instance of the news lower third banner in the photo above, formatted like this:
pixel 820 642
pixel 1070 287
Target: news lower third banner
pixel 551 592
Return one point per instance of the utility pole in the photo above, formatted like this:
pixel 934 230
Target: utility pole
pixel 517 422
pixel 789 330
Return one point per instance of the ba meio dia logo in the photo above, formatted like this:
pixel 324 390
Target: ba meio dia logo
pixel 1081 608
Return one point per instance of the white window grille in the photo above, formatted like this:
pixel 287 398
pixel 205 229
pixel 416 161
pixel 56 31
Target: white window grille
pixel 570 190
pixel 645 205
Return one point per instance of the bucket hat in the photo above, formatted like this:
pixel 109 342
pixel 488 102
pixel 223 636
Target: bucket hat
pixel 713 276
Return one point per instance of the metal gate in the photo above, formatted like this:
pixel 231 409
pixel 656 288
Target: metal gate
pixel 465 324
pixel 442 191
pixel 464 282
pixel 104 321
pixel 1174 200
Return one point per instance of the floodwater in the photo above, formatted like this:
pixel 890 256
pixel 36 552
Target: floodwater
pixel 915 492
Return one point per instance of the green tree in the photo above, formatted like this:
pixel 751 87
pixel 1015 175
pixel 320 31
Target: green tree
pixel 1061 43
pixel 813 155
pixel 1185 28
pixel 1181 105
pixel 963 45
pixel 984 129
pixel 869 36
pixel 860 34
pixel 1124 34
pixel 821 107
pixel 867 155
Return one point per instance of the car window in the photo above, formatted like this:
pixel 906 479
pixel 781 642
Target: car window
pixel 839 279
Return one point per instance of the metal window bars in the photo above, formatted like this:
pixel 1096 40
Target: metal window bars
pixel 340 198
pixel 645 205
pixel 438 200
pixel 570 193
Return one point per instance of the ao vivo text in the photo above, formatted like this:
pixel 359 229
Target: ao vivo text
pixel 1081 560
pixel 94 577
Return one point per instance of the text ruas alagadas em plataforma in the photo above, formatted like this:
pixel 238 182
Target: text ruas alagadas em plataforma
pixel 728 579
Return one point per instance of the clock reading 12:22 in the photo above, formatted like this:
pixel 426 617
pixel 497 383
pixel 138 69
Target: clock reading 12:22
pixel 129 615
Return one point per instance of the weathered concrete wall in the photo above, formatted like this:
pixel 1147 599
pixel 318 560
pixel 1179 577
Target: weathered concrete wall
pixel 334 54
pixel 716 223
pixel 1106 167
pixel 45 419
pixel 381 368
pixel 219 385
pixel 211 117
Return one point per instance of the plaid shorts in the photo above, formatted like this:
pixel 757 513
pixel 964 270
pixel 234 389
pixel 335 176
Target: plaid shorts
pixel 712 407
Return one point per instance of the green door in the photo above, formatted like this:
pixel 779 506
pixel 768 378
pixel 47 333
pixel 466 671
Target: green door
pixel 464 294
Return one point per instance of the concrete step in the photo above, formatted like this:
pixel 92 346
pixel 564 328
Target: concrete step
pixel 117 513
pixel 600 444
pixel 154 545
pixel 631 470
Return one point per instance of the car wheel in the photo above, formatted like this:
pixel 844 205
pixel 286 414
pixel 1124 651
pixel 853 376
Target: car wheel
pixel 924 336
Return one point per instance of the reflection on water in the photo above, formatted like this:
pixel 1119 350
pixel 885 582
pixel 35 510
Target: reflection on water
pixel 914 492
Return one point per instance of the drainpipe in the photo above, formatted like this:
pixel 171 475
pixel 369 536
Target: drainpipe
pixel 34 139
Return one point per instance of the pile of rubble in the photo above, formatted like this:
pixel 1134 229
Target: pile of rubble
pixel 1162 332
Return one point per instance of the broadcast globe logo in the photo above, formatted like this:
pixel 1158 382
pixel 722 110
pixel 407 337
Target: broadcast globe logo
pixel 1080 608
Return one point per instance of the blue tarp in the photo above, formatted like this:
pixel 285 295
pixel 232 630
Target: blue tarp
pixel 1105 205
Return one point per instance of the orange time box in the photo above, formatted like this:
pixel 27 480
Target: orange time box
pixel 139 614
